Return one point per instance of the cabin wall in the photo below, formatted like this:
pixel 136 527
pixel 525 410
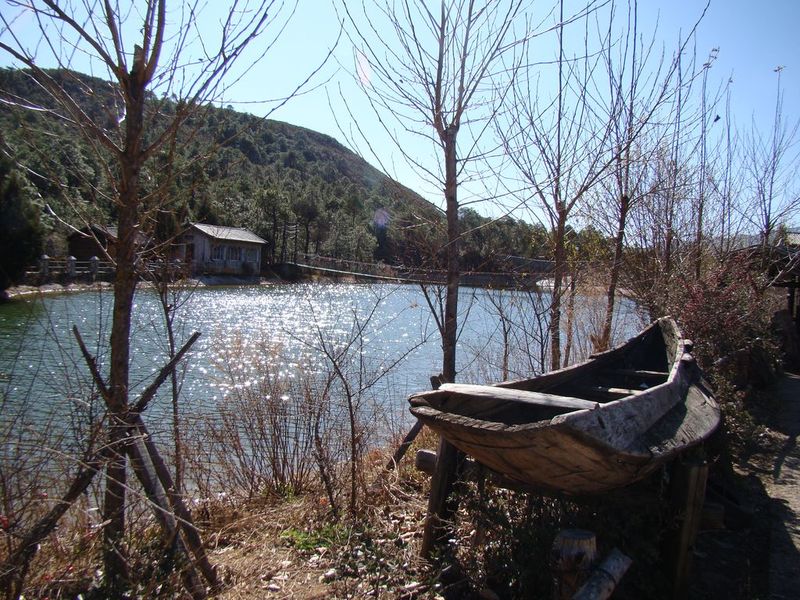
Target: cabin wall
pixel 223 257
pixel 85 247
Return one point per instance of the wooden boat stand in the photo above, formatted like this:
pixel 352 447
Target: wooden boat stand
pixel 689 472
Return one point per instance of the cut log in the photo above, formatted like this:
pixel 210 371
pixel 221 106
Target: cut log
pixel 573 554
pixel 512 395
pixel 604 579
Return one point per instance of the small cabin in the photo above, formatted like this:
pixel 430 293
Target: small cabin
pixel 97 240
pixel 94 240
pixel 218 250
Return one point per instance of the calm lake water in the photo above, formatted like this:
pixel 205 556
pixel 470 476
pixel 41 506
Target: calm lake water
pixel 287 325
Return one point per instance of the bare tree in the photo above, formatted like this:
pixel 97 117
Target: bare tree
pixel 641 86
pixel 771 164
pixel 155 56
pixel 440 77
pixel 556 142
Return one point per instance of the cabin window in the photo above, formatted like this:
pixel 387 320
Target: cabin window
pixel 218 253
pixel 234 253
pixel 251 255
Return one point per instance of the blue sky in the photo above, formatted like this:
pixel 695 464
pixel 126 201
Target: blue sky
pixel 753 39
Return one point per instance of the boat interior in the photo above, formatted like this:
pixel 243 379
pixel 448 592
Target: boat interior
pixel 626 371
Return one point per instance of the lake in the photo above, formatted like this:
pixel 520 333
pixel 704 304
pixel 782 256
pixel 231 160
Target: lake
pixel 290 326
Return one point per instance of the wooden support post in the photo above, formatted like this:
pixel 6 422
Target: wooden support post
pixel 404 446
pixel 180 511
pixel 687 492
pixel 572 557
pixel 439 509
pixel 411 435
pixel 795 317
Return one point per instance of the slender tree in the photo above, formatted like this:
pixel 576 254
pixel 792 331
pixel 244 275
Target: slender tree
pixel 164 63
pixel 440 75
pixel 640 88
pixel 555 141
pixel 771 163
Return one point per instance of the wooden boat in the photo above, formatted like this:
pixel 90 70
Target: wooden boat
pixel 589 428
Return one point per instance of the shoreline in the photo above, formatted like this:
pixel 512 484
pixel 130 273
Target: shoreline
pixel 22 292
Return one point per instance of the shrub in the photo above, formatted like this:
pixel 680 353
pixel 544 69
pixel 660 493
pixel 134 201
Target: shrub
pixel 724 311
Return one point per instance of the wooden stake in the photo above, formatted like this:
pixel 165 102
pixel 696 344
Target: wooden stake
pixel 175 506
pixel 687 493
pixel 181 512
pixel 411 435
pixel 404 446
pixel 439 510
pixel 161 510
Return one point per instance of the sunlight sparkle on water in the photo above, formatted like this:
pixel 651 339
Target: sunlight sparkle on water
pixel 243 329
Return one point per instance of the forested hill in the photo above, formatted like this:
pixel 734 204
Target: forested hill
pixel 292 186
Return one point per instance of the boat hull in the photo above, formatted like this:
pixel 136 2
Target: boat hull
pixel 541 444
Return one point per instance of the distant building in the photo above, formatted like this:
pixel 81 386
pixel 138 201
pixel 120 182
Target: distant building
pixel 97 240
pixel 218 250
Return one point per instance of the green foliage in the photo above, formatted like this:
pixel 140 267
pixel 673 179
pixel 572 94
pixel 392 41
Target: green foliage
pixel 231 168
pixel 21 231
pixel 488 243
pixel 327 536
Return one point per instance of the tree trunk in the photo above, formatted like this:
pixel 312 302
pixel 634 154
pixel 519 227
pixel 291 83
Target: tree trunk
pixel 555 303
pixel 116 471
pixel 450 333
pixel 605 335
pixel 124 289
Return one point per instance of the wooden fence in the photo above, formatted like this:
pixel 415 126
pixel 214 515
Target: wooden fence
pixel 67 269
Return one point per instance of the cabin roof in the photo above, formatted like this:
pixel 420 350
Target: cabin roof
pixel 229 234
pixel 106 231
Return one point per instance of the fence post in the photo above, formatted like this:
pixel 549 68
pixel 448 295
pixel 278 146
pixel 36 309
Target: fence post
pixel 71 267
pixel 44 266
pixel 93 267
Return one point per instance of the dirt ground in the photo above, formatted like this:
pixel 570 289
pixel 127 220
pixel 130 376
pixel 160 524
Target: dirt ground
pixel 750 545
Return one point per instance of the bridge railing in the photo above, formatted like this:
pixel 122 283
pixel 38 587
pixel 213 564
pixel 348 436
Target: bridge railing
pixel 58 268
pixel 422 275
pixel 347 266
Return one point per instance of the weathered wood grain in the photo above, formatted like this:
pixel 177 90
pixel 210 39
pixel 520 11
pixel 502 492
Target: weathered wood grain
pixel 541 433
pixel 514 395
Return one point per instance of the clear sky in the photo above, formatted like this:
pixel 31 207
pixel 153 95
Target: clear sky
pixel 753 39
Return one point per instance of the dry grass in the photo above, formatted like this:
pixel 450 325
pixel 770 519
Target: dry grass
pixel 293 549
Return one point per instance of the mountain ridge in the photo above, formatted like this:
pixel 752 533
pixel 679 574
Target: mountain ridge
pixel 300 189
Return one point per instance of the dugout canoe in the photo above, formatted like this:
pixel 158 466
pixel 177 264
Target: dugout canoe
pixel 590 428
